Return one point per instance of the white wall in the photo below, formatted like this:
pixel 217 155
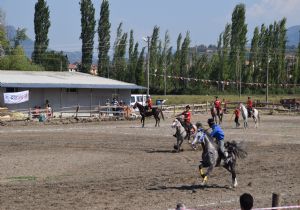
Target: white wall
pixel 61 98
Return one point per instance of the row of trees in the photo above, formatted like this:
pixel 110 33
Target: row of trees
pixel 230 60
pixel 12 57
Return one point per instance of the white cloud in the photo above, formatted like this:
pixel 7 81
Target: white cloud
pixel 274 10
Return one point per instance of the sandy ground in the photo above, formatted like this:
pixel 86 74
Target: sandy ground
pixel 119 165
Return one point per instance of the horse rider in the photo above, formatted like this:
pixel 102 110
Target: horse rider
pixel 249 106
pixel 218 134
pixel 187 120
pixel 217 104
pixel 149 103
pixel 199 129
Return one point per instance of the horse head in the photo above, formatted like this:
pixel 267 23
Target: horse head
pixel 176 123
pixel 135 105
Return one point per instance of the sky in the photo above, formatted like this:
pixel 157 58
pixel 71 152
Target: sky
pixel 205 19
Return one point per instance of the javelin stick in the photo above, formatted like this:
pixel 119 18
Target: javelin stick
pixel 231 116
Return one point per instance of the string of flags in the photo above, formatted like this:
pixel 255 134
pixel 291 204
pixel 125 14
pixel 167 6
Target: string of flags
pixel 226 83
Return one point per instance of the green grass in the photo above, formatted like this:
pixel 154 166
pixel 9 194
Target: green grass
pixel 23 178
pixel 198 99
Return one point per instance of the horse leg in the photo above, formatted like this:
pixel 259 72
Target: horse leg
pixel 179 142
pixel 158 120
pixel 143 121
pixel 233 175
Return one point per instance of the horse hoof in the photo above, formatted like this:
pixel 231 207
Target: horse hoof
pixel 234 184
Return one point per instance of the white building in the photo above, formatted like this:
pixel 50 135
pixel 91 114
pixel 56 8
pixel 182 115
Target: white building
pixel 62 89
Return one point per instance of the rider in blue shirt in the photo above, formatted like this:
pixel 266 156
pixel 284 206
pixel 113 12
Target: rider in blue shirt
pixel 218 133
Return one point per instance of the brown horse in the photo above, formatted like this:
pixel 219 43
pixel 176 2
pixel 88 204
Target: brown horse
pixel 145 113
pixel 215 114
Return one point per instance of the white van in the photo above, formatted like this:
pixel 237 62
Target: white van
pixel 140 98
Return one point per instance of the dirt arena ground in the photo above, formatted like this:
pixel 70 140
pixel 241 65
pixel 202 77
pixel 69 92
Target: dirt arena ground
pixel 119 165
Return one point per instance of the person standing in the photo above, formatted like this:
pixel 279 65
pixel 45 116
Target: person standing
pixel 237 116
pixel 246 201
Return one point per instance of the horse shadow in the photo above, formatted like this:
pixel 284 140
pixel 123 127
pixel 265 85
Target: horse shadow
pixel 190 187
pixel 159 151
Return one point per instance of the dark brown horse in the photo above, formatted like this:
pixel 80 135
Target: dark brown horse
pixel 145 113
pixel 215 114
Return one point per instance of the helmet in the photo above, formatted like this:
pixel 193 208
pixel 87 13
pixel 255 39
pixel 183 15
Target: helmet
pixel 187 107
pixel 198 124
pixel 210 122
pixel 217 96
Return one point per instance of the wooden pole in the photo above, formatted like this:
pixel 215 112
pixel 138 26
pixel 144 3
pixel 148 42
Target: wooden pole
pixel 174 109
pixel 91 102
pixel 276 199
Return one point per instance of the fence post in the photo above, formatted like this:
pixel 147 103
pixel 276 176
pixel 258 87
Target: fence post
pixel 29 114
pixel 276 199
pixel 193 111
pixel 174 109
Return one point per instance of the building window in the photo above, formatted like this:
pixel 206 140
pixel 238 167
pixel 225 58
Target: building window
pixel 12 90
pixel 72 90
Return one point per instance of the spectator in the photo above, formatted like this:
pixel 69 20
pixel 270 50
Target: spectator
pixel 180 206
pixel 246 201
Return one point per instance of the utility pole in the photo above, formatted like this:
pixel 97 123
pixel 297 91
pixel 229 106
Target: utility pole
pixel 165 79
pixel 267 87
pixel 239 72
pixel 148 63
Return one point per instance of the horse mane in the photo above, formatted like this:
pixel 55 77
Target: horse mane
pixel 236 149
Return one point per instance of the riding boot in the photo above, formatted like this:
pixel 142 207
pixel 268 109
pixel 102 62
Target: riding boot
pixel 202 174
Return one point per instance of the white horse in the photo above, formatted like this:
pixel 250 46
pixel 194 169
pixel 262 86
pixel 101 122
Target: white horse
pixel 255 116
pixel 180 134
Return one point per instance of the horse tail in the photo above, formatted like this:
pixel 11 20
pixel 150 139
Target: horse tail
pixel 236 149
pixel 162 114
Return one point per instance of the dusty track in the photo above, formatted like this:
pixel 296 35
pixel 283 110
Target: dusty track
pixel 118 165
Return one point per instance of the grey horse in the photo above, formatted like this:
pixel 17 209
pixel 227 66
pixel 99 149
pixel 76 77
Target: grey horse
pixel 210 155
pixel 180 133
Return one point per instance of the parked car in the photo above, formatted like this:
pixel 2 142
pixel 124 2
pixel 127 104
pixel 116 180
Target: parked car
pixel 140 98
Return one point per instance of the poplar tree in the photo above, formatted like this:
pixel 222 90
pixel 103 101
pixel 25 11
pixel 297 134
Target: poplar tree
pixel 238 41
pixel 41 29
pixel 184 59
pixel 130 77
pixel 119 61
pixel 254 56
pixel 87 34
pixel 104 40
pixel 176 63
pixel 140 70
pixel 153 54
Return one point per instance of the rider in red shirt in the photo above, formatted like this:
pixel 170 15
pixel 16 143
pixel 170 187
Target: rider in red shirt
pixel 187 120
pixel 149 103
pixel 217 104
pixel 249 106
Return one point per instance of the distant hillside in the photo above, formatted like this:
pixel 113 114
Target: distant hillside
pixel 293 35
pixel 28 46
